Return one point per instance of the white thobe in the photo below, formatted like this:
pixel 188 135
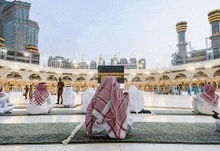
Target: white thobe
pixel 5 105
pixel 136 99
pixel 44 108
pixel 68 97
pixel 86 98
pixel 200 105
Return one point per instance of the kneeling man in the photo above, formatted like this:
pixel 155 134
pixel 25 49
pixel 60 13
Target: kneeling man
pixel 40 101
pixel 206 103
pixel 5 105
pixel 108 113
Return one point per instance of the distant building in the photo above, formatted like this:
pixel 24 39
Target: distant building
pixel 83 65
pixel 142 64
pixel 123 61
pixel 131 65
pixel 59 62
pixel 31 55
pixel 16 28
pixel 101 60
pixel 114 61
pixel 93 65
pixel 184 57
pixel 18 33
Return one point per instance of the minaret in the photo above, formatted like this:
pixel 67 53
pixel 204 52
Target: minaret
pixel 2 43
pixel 214 19
pixel 181 30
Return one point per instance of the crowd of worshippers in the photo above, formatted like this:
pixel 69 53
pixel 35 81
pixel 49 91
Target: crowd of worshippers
pixel 108 108
pixel 195 90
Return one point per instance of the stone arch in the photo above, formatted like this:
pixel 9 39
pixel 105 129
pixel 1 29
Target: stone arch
pixel 51 78
pixel 200 74
pixel 180 76
pixel 136 79
pixel 14 75
pixel 66 78
pixel 149 79
pixel 80 78
pixel 94 78
pixel 164 77
pixel 216 73
pixel 34 77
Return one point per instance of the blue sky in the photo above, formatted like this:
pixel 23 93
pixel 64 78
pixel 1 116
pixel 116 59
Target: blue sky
pixel 78 29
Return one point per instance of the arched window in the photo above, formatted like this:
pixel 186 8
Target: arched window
pixel 200 74
pixel 216 74
pixel 136 79
pixel 94 78
pixel 180 76
pixel 67 78
pixel 79 79
pixel 34 77
pixel 164 77
pixel 148 79
pixel 51 78
pixel 14 75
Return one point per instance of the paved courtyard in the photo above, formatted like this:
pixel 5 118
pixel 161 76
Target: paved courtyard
pixel 155 103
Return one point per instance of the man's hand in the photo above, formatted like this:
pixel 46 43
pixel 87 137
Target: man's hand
pixel 215 115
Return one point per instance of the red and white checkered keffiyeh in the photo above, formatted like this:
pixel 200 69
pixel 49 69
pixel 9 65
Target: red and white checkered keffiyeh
pixel 40 95
pixel 210 95
pixel 109 109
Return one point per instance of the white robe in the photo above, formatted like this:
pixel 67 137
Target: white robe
pixel 68 97
pixel 40 109
pixel 136 99
pixel 5 105
pixel 86 98
pixel 202 106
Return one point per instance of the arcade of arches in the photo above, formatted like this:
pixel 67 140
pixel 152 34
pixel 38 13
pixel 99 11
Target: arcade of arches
pixel 14 79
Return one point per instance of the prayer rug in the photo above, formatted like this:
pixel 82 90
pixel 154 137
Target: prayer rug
pixel 40 133
pixel 154 132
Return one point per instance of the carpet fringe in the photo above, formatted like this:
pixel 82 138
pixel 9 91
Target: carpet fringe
pixel 66 141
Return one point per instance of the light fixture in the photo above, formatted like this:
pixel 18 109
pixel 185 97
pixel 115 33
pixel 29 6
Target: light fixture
pixel 188 55
pixel 4 50
pixel 26 54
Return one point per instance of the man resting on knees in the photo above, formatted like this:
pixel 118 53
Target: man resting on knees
pixel 207 102
pixel 108 112
pixel 40 101
pixel 5 105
